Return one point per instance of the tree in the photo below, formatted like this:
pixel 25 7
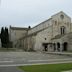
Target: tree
pixel 6 37
pixel 2 37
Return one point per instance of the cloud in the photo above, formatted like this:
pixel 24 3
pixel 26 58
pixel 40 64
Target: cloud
pixel 30 12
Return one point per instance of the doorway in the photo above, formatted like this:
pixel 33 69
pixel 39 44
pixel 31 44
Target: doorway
pixel 54 46
pixel 45 45
pixel 65 45
pixel 58 46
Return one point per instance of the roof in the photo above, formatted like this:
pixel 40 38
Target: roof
pixel 62 13
pixel 42 22
pixel 18 28
pixel 35 33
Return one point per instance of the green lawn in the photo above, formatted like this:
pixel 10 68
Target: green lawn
pixel 47 68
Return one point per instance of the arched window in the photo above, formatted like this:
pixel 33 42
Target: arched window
pixel 62 30
pixel 55 22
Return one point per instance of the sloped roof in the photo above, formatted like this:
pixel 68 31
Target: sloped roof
pixel 18 28
pixel 61 12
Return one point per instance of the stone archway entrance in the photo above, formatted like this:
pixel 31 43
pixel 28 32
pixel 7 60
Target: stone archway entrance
pixel 65 45
pixel 45 45
pixel 58 46
pixel 54 45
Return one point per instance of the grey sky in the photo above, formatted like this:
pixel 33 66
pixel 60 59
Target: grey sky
pixel 31 12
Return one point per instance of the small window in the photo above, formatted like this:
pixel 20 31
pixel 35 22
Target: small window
pixel 62 16
pixel 55 22
pixel 62 30
pixel 45 39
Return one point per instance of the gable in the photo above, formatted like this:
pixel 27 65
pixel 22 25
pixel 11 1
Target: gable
pixel 61 16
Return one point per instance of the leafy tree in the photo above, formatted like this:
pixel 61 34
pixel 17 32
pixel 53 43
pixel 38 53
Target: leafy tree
pixel 4 37
pixel 0 35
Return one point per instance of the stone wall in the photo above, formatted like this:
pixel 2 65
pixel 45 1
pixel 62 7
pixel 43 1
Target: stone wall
pixel 40 26
pixel 43 37
pixel 48 31
pixel 17 33
pixel 58 22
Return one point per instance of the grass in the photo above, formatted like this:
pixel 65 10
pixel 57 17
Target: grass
pixel 47 68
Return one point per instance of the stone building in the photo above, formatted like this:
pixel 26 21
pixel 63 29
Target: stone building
pixel 54 34
pixel 15 33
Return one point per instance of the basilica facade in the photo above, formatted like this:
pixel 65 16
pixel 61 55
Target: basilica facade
pixel 54 34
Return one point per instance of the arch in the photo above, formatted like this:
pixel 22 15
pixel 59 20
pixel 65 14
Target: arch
pixel 54 45
pixel 58 46
pixel 65 46
pixel 45 45
pixel 62 30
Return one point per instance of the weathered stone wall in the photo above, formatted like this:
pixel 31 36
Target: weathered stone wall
pixel 70 41
pixel 40 26
pixel 48 31
pixel 58 22
pixel 16 34
pixel 43 37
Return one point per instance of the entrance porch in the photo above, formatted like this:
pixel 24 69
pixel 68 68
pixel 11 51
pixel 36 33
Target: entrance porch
pixel 55 47
pixel 60 47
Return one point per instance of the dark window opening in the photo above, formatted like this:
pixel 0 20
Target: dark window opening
pixel 45 38
pixel 45 45
pixel 58 46
pixel 65 45
pixel 62 30
pixel 55 22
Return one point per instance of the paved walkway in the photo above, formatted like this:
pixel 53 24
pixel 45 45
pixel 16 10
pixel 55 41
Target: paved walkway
pixel 10 69
pixel 60 53
pixel 10 59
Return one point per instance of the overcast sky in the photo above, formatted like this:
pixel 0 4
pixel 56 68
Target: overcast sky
pixel 31 12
